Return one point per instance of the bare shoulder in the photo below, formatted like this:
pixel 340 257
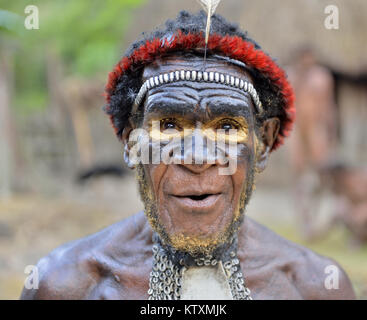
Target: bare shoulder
pixel 72 270
pixel 313 276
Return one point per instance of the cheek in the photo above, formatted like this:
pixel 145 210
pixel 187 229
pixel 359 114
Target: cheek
pixel 245 161
pixel 155 175
pixel 239 179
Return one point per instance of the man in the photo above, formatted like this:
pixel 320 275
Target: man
pixel 314 140
pixel 315 135
pixel 193 240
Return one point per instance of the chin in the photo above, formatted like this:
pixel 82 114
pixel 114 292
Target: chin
pixel 199 244
pixel 196 237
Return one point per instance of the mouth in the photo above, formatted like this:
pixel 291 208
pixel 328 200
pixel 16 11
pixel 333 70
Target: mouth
pixel 197 202
pixel 199 197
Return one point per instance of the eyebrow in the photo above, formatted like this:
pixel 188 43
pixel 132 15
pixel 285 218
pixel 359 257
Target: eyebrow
pixel 173 107
pixel 169 106
pixel 234 108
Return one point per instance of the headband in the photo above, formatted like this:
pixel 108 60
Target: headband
pixel 197 76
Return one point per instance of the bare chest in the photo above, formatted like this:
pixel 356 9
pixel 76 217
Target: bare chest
pixel 132 283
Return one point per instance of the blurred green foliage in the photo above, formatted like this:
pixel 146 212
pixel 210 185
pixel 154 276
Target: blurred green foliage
pixel 85 36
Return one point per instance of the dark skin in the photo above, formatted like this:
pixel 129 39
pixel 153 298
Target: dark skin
pixel 115 263
pixel 177 186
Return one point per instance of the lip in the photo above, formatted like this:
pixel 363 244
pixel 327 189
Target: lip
pixel 203 205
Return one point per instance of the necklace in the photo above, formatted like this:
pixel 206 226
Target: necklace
pixel 169 267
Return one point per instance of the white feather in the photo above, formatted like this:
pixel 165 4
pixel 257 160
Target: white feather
pixel 209 6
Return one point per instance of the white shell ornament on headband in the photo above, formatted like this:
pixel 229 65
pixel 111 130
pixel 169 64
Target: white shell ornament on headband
pixel 197 76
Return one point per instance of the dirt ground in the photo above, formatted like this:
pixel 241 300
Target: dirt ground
pixel 31 225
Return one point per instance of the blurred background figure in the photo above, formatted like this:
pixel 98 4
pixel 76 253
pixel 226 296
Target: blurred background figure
pixel 314 140
pixel 327 190
pixel 349 186
pixel 315 136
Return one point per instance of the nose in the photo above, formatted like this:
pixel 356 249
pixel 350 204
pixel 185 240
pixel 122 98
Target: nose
pixel 197 155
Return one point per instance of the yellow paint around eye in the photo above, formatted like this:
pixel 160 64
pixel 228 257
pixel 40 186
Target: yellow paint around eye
pixel 238 135
pixel 157 134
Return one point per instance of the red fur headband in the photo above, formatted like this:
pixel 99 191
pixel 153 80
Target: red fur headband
pixel 231 46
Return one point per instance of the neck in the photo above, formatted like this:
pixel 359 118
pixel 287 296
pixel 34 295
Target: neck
pixel 224 252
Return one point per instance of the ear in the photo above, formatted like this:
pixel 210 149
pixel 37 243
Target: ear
pixel 127 146
pixel 268 134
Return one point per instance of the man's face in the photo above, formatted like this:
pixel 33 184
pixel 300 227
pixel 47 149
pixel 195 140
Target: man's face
pixel 193 206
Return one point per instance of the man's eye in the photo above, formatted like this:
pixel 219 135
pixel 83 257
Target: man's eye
pixel 228 125
pixel 168 124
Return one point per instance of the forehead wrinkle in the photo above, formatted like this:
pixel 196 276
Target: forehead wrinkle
pixel 228 101
pixel 195 91
pixel 180 88
pixel 223 109
pixel 219 104
pixel 165 99
pixel 169 106
pixel 230 94
pixel 199 100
